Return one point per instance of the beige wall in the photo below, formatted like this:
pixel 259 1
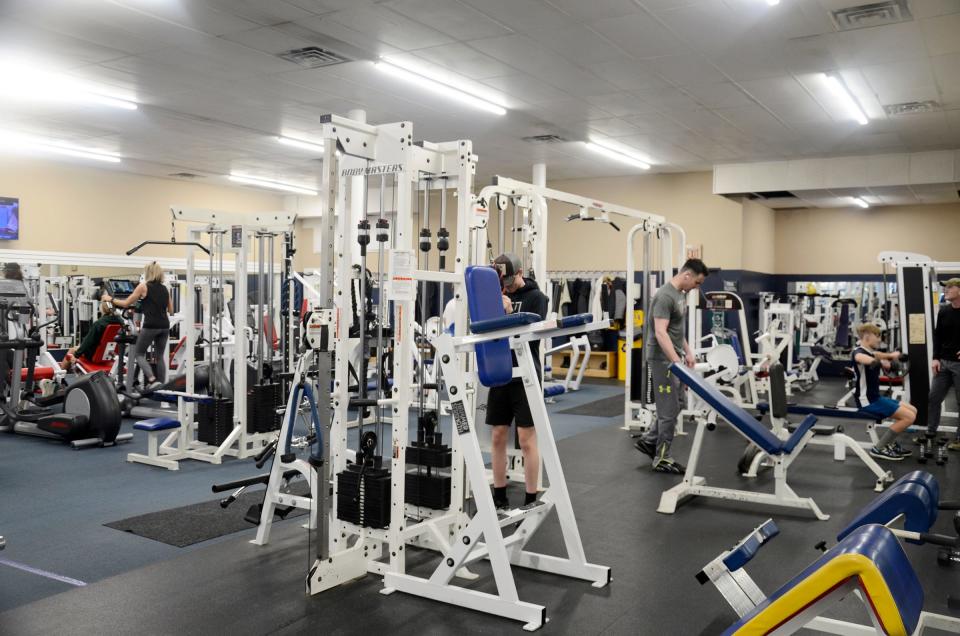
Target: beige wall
pixel 685 199
pixel 72 208
pixel 758 238
pixel 847 241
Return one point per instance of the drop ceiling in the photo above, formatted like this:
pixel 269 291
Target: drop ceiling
pixel 685 83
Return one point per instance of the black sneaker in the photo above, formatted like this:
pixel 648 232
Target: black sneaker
pixel 901 451
pixel 669 465
pixel 645 447
pixel 501 504
pixel 887 453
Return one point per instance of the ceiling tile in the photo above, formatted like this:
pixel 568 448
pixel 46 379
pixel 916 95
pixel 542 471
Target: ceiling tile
pixel 265 12
pixel 465 60
pixel 578 44
pixel 268 40
pixel 719 95
pixel 942 34
pixel 753 58
pixel 685 70
pixel 52 50
pixel 710 26
pixel 639 35
pixel 524 54
pixel 595 9
pixel 459 21
pixel 654 122
pixel 668 99
pixel 613 127
pixel 522 16
pixel 620 104
pixel 905 80
pixel 525 88
pixel 931 8
pixel 627 75
pixel 387 26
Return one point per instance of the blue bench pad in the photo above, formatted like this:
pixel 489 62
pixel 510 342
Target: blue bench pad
pixel 156 424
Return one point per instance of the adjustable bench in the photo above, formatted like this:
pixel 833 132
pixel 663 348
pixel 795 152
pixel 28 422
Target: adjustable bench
pixel 155 427
pixel 781 452
pixel 867 557
pixel 824 435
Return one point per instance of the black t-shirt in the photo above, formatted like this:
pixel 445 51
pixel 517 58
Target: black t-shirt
pixel 946 337
pixel 529 298
pixel 154 307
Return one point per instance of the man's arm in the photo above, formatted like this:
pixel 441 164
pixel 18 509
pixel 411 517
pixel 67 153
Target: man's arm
pixel 663 338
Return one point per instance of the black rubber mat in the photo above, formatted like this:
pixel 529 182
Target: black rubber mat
pixel 607 407
pixel 191 524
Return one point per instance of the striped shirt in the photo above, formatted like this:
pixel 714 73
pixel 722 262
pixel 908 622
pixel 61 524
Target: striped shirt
pixel 866 378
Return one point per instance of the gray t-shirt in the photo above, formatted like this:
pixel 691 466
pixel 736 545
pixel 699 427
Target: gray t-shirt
pixel 669 302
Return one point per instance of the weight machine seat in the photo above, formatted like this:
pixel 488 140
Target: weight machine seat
pixel 742 421
pixel 821 410
pixel 575 320
pixel 156 424
pixel 485 308
pixel 870 555
pixel 552 390
pixel 915 496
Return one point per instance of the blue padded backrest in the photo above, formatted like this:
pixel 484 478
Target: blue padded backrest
pixel 747 549
pixel 910 499
pixel 880 546
pixel 484 302
pixel 575 320
pixel 738 418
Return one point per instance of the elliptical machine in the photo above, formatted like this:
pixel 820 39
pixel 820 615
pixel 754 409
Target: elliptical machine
pixel 91 412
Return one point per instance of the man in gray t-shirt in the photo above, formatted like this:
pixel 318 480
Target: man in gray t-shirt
pixel 664 343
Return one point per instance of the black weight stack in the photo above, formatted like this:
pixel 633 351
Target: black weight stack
pixel 363 497
pixel 426 486
pixel 263 400
pixel 214 420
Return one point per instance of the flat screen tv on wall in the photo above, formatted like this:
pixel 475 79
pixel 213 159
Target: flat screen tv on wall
pixel 9 219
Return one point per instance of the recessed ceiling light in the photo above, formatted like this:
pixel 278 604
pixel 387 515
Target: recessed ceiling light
pixel 846 99
pixel 274 185
pixel 431 82
pixel 299 143
pixel 617 154
pixel 17 141
pixel 24 81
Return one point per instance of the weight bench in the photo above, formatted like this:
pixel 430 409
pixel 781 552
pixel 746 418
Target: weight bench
pixel 824 434
pixel 867 556
pixel 782 452
pixel 155 427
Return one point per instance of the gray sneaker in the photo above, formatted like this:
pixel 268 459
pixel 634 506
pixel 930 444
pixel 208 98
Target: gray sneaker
pixel 887 452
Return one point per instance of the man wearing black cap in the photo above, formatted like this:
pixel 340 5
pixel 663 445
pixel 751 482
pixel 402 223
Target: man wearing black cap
pixel 946 356
pixel 509 402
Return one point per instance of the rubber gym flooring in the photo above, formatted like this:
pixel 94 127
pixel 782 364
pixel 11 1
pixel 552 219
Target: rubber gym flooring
pixel 55 501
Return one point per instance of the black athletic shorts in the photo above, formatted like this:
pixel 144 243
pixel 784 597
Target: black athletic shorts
pixel 508 402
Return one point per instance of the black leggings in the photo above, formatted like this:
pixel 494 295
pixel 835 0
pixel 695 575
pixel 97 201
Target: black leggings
pixel 138 357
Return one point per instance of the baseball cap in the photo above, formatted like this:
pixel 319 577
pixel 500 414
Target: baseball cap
pixel 953 282
pixel 508 266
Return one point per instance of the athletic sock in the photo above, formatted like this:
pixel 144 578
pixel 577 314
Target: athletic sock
pixel 500 492
pixel 530 498
pixel 887 438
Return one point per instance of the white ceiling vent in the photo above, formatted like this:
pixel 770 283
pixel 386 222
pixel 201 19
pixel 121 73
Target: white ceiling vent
pixel 543 139
pixel 872 15
pixel 909 108
pixel 313 57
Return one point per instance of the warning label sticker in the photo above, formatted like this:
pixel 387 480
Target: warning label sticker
pixel 460 417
